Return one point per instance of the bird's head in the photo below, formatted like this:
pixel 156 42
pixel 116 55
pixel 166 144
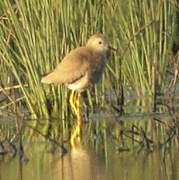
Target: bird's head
pixel 98 42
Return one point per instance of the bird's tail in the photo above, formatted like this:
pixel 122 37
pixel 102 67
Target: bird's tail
pixel 49 78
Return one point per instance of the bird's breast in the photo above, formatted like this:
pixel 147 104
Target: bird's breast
pixel 81 84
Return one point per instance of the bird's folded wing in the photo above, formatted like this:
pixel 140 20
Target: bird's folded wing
pixel 72 67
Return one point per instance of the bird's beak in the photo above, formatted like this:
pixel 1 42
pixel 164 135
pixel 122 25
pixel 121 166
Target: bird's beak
pixel 111 48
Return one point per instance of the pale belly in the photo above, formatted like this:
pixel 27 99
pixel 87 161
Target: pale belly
pixel 81 84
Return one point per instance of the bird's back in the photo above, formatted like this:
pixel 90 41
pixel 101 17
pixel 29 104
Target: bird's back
pixel 74 66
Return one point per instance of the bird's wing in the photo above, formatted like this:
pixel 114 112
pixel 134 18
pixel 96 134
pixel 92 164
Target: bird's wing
pixel 71 68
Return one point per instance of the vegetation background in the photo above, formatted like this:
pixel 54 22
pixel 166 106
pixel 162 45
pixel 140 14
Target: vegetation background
pixel 36 35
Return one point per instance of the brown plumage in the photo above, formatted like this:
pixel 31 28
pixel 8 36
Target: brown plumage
pixel 82 67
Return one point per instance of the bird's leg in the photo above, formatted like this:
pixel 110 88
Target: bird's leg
pixel 79 118
pixel 72 101
pixel 77 130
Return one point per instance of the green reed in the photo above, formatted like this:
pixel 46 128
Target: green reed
pixel 36 35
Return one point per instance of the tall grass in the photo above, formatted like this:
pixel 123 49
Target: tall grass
pixel 36 35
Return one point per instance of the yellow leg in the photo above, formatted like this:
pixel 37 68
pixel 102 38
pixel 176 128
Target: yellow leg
pixel 79 118
pixel 71 100
pixel 77 130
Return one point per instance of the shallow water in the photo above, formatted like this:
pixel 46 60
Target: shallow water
pixel 81 164
pixel 100 155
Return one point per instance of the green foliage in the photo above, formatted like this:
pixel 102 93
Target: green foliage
pixel 36 35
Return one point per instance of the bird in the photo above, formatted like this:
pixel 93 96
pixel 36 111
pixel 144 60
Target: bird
pixel 79 70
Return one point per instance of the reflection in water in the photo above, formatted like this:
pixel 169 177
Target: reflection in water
pixel 79 164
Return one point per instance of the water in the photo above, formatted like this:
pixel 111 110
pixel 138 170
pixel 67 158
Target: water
pixel 102 155
pixel 82 164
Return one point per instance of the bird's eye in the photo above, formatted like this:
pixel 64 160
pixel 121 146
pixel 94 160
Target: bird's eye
pixel 100 42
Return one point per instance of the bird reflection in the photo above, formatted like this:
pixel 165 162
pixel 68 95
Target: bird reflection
pixel 80 164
